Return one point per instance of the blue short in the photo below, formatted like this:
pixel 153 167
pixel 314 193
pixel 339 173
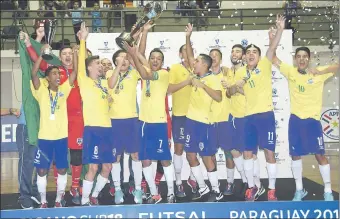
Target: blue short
pixel 154 141
pixel 98 146
pixel 49 150
pixel 260 131
pixel 178 123
pixel 125 135
pixel 221 135
pixel 305 136
pixel 197 139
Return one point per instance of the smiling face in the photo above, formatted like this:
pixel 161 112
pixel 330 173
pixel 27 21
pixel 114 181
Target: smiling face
pixel 107 65
pixel 252 56
pixel 216 58
pixel 95 68
pixel 53 77
pixel 302 60
pixel 66 57
pixel 236 56
pixel 156 61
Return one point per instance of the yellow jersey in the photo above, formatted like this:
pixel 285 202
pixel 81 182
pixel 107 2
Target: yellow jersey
pixel 200 105
pixel 152 107
pixel 258 89
pixel 124 95
pixel 237 101
pixel 221 110
pixel 53 110
pixel 306 91
pixel 180 99
pixel 95 95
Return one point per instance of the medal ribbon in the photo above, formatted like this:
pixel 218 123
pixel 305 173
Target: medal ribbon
pixel 121 78
pixel 53 101
pixel 249 73
pixel 104 90
pixel 148 89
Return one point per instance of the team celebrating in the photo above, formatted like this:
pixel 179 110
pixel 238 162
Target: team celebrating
pixel 89 116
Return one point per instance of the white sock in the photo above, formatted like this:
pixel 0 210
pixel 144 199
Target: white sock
pixel 41 184
pixel 325 171
pixel 87 187
pixel 148 174
pixel 257 173
pixel 178 164
pixel 213 178
pixel 239 166
pixel 61 186
pixel 249 171
pixel 137 174
pixel 192 177
pixel 197 172
pixel 101 182
pixel 271 169
pixel 115 172
pixel 230 175
pixel 297 173
pixel 169 177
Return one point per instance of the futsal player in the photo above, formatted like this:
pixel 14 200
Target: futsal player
pixel 222 123
pixel 305 131
pixel 74 113
pixel 180 76
pixel 206 89
pixel 52 136
pixel 124 122
pixel 256 81
pixel 98 145
pixel 154 133
pixel 238 112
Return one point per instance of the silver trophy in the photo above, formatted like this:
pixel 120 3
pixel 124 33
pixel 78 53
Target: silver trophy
pixel 50 27
pixel 151 12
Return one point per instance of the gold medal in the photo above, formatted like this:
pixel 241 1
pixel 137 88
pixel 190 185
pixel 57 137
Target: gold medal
pixel 148 94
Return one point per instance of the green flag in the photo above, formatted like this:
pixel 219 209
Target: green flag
pixel 30 105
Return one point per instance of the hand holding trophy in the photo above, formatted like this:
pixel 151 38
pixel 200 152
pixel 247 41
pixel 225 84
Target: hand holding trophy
pixel 50 27
pixel 151 11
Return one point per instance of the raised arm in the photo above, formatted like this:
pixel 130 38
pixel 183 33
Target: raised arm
pixel 280 24
pixel 114 77
pixel 34 74
pixel 83 33
pixel 330 69
pixel 190 51
pixel 73 75
pixel 142 45
pixel 135 55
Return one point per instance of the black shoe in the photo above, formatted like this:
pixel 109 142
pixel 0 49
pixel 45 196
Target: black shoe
pixel 200 193
pixel 26 203
pixel 215 196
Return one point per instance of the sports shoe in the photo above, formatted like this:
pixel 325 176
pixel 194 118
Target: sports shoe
pixel 138 196
pixel 243 190
pixel 74 192
pixel 193 185
pixel 180 191
pixel 26 203
pixel 94 201
pixel 36 199
pixel 154 199
pixel 171 198
pixel 43 205
pixel 251 193
pixel 61 203
pixel 299 195
pixel 215 196
pixel 112 191
pixel 328 196
pixel 119 197
pixel 272 195
pixel 200 193
pixel 229 190
pixel 260 192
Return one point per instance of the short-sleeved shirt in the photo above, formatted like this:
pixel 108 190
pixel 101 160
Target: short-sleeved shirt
pixel 200 105
pixel 306 91
pixel 57 128
pixel 95 95
pixel 152 108
pixel 124 95
pixel 180 99
pixel 258 89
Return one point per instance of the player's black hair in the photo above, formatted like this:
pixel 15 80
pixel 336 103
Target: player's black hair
pixel 157 50
pixel 256 47
pixel 306 49
pixel 89 60
pixel 116 54
pixel 181 48
pixel 216 50
pixel 207 59
pixel 64 47
pixel 49 69
pixel 241 47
